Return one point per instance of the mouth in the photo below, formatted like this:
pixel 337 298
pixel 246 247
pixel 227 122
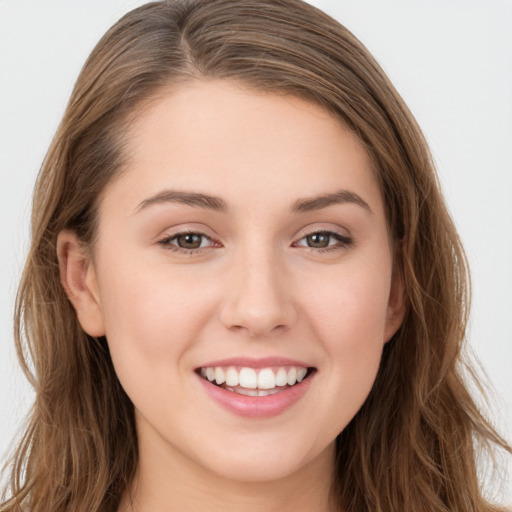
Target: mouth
pixel 255 382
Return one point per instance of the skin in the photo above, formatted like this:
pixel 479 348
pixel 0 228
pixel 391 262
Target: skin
pixel 256 289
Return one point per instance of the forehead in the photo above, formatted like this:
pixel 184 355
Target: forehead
pixel 221 138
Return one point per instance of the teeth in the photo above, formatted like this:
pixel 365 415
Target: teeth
pixel 281 377
pixel 253 392
pixel 248 378
pixel 232 377
pixel 292 376
pixel 266 379
pixel 301 373
pixel 220 376
pixel 252 379
pixel 265 392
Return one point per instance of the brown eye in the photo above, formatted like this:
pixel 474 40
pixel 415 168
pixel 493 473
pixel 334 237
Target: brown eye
pixel 189 240
pixel 318 240
pixel 324 240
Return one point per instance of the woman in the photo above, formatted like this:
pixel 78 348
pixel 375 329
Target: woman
pixel 244 289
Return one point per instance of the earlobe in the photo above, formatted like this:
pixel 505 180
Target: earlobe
pixel 78 277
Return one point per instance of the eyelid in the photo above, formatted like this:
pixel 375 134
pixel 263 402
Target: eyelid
pixel 321 227
pixel 165 241
pixel 343 240
pixel 184 229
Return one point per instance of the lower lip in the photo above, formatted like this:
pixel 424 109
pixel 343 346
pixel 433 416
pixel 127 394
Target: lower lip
pixel 256 406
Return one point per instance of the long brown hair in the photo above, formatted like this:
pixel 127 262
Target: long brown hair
pixel 414 443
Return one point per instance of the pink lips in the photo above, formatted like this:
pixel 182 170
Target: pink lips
pixel 256 406
pixel 252 362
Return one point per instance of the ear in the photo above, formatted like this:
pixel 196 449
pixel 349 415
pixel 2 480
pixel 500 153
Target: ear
pixel 396 303
pixel 78 278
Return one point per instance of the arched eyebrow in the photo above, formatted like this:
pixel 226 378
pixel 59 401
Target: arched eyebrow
pixel 218 204
pixel 323 201
pixel 189 198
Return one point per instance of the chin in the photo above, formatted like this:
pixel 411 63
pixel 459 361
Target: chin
pixel 265 461
pixel 244 470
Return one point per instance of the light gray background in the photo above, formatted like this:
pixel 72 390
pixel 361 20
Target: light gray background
pixel 450 59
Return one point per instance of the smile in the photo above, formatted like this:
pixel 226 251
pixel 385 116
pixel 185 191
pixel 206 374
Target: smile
pixel 254 382
pixel 261 390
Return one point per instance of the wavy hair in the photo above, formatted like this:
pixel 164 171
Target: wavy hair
pixel 414 443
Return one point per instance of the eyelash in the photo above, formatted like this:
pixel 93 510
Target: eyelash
pixel 166 243
pixel 342 242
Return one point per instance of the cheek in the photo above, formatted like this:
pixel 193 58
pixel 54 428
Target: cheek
pixel 351 308
pixel 151 317
pixel 152 320
pixel 349 318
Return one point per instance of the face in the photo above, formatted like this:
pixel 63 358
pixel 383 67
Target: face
pixel 244 251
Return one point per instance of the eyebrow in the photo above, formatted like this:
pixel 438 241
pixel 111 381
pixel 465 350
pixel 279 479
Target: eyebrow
pixel 218 204
pixel 189 198
pixel 325 200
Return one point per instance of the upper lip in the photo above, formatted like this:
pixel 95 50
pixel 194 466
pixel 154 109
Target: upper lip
pixel 259 362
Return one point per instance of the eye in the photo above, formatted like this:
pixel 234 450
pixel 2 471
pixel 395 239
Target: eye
pixel 187 242
pixel 324 240
pixel 190 240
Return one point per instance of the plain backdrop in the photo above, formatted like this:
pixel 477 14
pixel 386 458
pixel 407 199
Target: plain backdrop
pixel 451 60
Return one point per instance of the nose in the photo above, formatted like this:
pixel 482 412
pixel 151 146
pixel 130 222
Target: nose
pixel 257 297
